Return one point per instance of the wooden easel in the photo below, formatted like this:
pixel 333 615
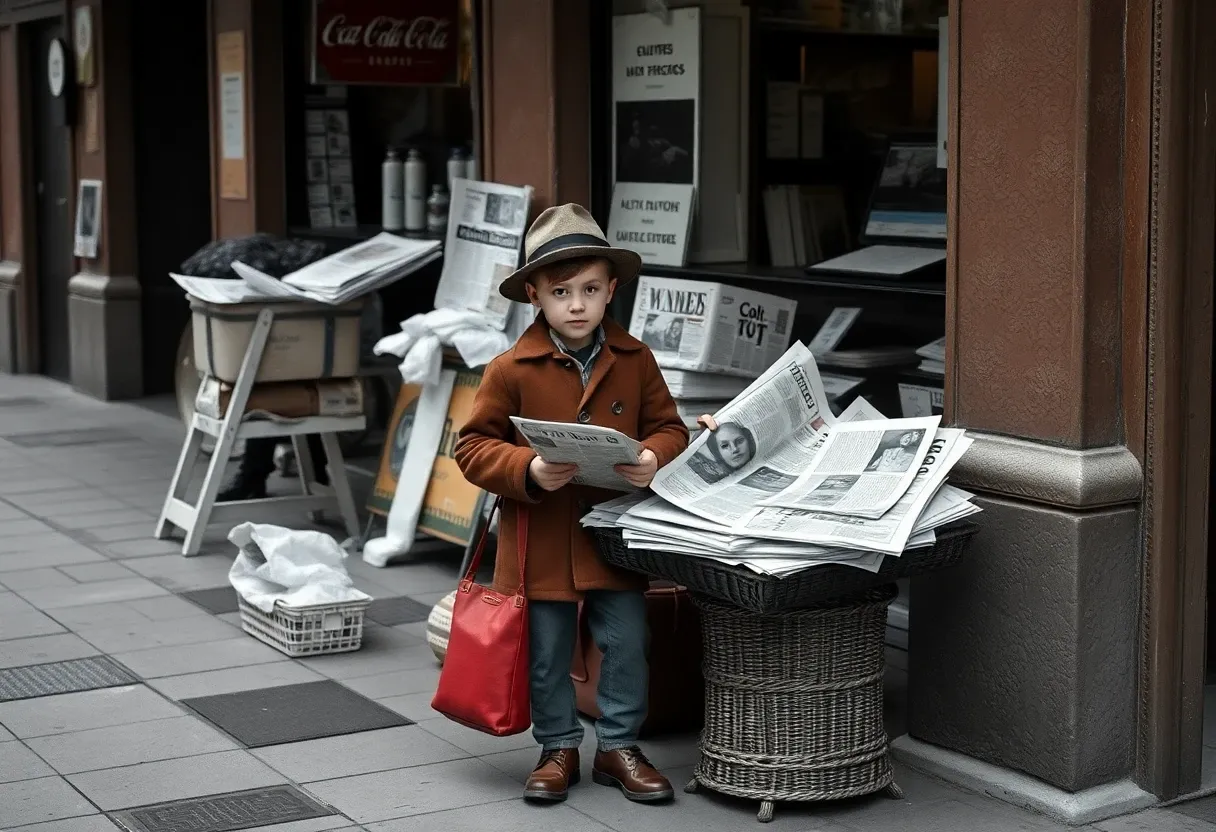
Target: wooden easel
pixel 194 519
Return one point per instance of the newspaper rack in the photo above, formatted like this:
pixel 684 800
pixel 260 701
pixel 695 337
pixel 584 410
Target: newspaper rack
pixel 194 519
pixel 757 593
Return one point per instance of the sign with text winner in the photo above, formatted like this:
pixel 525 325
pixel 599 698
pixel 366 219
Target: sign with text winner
pixel 386 42
pixel 656 128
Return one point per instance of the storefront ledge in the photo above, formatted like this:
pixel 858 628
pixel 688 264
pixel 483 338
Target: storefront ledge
pixel 104 287
pixel 10 273
pixel 1074 808
pixel 1045 474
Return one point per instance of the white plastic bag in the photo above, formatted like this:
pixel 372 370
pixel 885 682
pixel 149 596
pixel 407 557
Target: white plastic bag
pixel 295 568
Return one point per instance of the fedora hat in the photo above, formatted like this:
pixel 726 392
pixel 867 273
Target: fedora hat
pixel 565 232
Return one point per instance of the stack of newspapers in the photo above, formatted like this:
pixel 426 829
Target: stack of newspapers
pixel 783 485
pixel 336 279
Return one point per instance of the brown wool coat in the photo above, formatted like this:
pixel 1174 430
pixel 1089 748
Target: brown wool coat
pixel 535 380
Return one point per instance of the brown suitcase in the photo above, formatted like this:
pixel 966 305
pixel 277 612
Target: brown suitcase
pixel 676 687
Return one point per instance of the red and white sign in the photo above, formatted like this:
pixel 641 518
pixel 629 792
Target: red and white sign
pixel 386 42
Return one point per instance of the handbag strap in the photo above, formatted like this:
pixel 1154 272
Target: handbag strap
pixel 521 544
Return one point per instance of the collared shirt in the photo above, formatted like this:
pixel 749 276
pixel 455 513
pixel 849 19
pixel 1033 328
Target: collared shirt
pixel 585 358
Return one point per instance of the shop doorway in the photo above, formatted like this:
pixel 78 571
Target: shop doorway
pixel 172 134
pixel 51 177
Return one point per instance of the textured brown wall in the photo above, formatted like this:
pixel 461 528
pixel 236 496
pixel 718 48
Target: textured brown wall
pixel 265 207
pixel 535 78
pixel 1036 255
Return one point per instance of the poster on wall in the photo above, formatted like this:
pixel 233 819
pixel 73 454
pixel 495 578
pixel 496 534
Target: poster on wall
pixel 656 129
pixel 387 42
pixel 88 218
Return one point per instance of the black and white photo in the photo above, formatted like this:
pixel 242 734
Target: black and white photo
pixel 88 218
pixel 663 332
pixel 506 210
pixel 318 171
pixel 896 451
pixel 655 141
pixel 731 447
pixel 829 492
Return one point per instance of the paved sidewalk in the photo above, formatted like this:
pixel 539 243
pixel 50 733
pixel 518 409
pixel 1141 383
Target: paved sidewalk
pixel 81 579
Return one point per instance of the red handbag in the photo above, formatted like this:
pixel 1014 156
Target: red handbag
pixel 485 679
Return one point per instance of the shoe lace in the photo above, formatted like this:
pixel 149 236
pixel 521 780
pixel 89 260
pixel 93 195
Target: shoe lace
pixel 556 755
pixel 634 758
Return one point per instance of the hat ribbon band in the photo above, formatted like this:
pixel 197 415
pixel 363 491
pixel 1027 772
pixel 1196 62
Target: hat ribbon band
pixel 567 241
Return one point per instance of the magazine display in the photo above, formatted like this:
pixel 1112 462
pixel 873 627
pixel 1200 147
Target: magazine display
pixel 782 485
pixel 710 327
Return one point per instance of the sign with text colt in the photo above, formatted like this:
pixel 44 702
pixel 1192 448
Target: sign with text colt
pixel 386 42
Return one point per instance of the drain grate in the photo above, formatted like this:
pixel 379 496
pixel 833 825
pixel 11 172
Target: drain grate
pixel 37 680
pixel 390 612
pixel 218 601
pixel 224 812
pixel 67 438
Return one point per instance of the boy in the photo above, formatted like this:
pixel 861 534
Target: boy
pixel 573 365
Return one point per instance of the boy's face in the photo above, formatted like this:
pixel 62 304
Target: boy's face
pixel 575 307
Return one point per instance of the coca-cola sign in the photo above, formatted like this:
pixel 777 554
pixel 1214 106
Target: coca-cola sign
pixel 386 42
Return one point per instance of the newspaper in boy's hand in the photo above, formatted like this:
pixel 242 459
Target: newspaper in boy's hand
pixel 595 450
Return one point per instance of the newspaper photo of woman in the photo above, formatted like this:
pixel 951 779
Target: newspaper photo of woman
pixel 730 448
pixel 662 333
pixel 896 451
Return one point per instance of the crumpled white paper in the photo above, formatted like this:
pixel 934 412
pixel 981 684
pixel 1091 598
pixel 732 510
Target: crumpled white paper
pixel 292 567
pixel 420 342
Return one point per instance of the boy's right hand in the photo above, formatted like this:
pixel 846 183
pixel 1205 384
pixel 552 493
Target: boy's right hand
pixel 551 476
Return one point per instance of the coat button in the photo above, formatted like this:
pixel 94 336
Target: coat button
pixel 618 408
pixel 584 417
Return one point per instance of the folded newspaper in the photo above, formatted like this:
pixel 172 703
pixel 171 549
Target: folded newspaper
pixel 783 485
pixel 595 450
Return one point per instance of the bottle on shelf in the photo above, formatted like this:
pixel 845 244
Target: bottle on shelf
pixel 415 192
pixel 392 192
pixel 437 210
pixel 456 166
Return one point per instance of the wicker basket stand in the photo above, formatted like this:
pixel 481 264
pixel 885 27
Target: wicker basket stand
pixel 794 702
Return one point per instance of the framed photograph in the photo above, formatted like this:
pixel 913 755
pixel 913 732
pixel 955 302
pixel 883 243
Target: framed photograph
pixel 88 218
pixel 342 194
pixel 337 121
pixel 318 195
pixel 318 171
pixel 316 146
pixel 344 216
pixel 340 171
pixel 314 122
pixel 339 145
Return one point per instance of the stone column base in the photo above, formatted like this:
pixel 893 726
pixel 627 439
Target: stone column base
pixel 106 336
pixel 1074 808
pixel 10 320
pixel 1024 656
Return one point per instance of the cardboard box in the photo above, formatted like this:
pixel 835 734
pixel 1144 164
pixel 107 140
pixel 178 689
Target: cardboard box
pixel 284 400
pixel 307 340
pixel 711 327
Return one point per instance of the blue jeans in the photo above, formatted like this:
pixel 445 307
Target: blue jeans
pixel 618 624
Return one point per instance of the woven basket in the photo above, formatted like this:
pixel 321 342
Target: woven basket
pixel 744 588
pixel 439 625
pixel 794 702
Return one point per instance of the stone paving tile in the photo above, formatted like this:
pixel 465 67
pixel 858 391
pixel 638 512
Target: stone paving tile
pixel 123 745
pixel 234 679
pixel 38 801
pixel 180 573
pixel 100 519
pixel 474 742
pixel 1155 820
pixel 17 762
pixel 86 573
pixel 384 650
pixel 89 823
pixel 386 795
pixel 145 636
pixel 42 578
pixel 337 823
pixel 507 815
pixel 144 611
pixel 70 712
pixel 32 542
pixel 122 533
pixel 214 655
pixel 24 527
pixel 64 552
pixel 353 754
pixel 101 592
pixel 143 547
pixel 42 649
pixel 27 625
pixel 70 507
pixel 397 683
pixel 139 785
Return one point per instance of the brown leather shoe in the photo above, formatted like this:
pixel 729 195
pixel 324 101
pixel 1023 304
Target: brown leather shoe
pixel 553 776
pixel 628 770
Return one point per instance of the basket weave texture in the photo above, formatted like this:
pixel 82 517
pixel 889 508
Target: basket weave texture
pixel 749 590
pixel 794 701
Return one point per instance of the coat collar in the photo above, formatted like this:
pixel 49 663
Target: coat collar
pixel 536 343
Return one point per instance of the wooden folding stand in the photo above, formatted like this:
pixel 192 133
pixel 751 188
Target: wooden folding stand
pixel 194 519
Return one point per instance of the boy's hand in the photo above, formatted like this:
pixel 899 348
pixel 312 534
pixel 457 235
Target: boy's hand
pixel 708 422
pixel 551 476
pixel 641 474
